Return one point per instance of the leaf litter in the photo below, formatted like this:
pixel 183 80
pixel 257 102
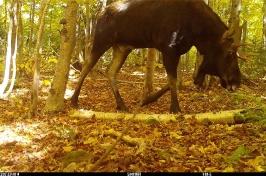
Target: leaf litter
pixel 54 143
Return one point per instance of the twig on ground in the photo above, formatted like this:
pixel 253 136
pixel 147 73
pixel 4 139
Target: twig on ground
pixel 94 166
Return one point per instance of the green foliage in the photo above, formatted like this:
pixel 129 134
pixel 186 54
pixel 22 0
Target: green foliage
pixel 242 96
pixel 252 115
pixel 237 154
pixel 25 67
pixel 75 156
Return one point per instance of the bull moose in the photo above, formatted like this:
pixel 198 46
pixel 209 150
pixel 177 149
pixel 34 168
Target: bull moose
pixel 172 27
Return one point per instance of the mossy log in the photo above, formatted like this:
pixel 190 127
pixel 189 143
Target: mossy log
pixel 223 117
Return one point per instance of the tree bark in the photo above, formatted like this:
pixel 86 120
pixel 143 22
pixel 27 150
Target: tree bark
pixel 244 34
pixel 5 19
pixel 149 76
pixel 264 24
pixel 20 30
pixel 104 4
pixel 11 51
pixel 79 55
pixel 55 101
pixel 32 17
pixel 234 20
pixel 37 56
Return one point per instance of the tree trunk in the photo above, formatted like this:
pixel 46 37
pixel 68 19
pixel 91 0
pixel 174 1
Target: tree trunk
pixel 37 56
pixel 32 17
pixel 264 24
pixel 55 101
pixel 234 20
pixel 149 76
pixel 79 55
pixel 11 51
pixel 20 29
pixel 244 34
pixel 5 19
pixel 104 4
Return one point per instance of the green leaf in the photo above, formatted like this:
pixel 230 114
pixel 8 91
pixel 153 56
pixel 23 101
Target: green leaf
pixel 237 154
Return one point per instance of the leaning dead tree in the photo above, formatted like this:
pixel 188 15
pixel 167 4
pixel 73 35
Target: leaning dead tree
pixel 55 101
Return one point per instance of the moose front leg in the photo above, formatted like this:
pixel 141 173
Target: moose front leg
pixel 171 63
pixel 88 65
pixel 120 54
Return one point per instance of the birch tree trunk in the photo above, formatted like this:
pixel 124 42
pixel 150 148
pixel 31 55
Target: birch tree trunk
pixel 104 4
pixel 55 101
pixel 79 55
pixel 88 29
pixel 37 56
pixel 11 52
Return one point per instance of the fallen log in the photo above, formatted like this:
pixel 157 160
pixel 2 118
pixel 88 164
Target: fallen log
pixel 223 117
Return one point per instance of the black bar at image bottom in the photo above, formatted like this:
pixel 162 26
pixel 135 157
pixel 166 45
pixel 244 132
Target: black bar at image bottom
pixel 131 173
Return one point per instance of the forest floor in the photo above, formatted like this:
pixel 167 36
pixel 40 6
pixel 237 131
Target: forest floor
pixel 60 143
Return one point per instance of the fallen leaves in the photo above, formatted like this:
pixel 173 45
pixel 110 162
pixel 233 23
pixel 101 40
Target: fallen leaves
pixel 61 143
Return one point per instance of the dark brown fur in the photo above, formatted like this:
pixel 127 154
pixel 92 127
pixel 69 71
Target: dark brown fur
pixel 171 26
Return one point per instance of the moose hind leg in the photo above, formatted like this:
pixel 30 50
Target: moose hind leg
pixel 171 63
pixel 120 54
pixel 155 96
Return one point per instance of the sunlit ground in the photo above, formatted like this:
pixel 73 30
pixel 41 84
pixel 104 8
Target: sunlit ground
pixel 20 137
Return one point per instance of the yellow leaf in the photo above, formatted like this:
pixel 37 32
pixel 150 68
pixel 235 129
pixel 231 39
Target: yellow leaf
pixel 9 113
pixel 68 148
pixel 229 169
pixel 46 82
pixel 257 163
pixel 90 141
pixel 162 161
pixel 156 133
pixel 71 167
pixel 175 135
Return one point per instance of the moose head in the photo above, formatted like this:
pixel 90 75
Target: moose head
pixel 222 61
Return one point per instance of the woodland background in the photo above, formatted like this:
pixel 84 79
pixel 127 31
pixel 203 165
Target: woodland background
pixel 31 34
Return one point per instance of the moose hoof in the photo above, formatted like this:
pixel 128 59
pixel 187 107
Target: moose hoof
pixel 74 102
pixel 143 103
pixel 174 109
pixel 122 108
